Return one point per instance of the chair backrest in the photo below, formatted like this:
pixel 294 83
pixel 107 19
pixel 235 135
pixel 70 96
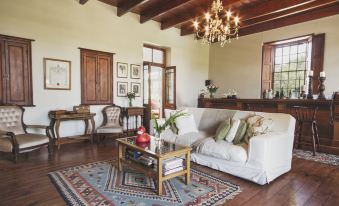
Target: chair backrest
pixel 11 119
pixel 306 114
pixel 112 115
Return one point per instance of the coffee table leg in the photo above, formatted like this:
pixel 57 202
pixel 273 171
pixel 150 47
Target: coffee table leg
pixel 159 176
pixel 188 168
pixel 120 156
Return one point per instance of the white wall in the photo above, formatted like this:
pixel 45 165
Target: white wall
pixel 238 65
pixel 59 27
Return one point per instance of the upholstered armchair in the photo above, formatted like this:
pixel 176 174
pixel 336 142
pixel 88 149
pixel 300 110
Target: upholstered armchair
pixel 112 123
pixel 13 134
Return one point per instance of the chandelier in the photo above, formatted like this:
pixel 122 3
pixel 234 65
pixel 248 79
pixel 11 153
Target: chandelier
pixel 217 27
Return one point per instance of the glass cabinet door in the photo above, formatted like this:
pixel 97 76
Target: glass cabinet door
pixel 170 88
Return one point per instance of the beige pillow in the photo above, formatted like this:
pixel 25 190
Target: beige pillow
pixel 233 130
pixel 257 125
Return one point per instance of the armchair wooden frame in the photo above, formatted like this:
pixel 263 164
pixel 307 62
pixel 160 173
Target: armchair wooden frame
pixel 16 150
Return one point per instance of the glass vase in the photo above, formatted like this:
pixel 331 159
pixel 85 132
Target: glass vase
pixel 130 103
pixel 211 95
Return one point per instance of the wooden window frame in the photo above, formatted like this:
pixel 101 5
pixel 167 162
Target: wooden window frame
pixel 317 58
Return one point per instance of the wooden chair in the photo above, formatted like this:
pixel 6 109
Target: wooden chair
pixel 112 124
pixel 307 115
pixel 14 137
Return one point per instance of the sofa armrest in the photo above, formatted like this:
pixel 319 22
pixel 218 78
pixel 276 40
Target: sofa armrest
pixel 271 150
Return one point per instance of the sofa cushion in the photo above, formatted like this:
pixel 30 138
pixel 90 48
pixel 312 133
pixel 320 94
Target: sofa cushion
pixel 239 136
pixel 186 124
pixel 223 130
pixel 233 130
pixel 191 138
pixel 211 119
pixel 223 150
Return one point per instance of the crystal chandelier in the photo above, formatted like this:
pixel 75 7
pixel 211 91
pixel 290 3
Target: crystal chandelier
pixel 216 27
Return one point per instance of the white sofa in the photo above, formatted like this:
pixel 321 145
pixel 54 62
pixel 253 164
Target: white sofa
pixel 264 159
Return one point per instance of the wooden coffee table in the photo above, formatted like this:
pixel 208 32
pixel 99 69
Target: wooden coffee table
pixel 159 151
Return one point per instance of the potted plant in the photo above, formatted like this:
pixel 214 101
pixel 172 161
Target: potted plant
pixel 130 96
pixel 170 122
pixel 212 89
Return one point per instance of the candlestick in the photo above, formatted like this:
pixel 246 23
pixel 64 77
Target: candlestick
pixel 321 88
pixel 310 73
pixel 310 87
pixel 322 74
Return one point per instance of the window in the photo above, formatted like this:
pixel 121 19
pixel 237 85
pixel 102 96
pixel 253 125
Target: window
pixel 286 64
pixel 291 65
pixel 152 54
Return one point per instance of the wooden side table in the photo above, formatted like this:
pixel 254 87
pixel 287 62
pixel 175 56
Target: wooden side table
pixel 57 117
pixel 129 112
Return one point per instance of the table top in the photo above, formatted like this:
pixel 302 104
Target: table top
pixel 154 147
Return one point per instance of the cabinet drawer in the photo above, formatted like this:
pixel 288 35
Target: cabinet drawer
pixel 134 112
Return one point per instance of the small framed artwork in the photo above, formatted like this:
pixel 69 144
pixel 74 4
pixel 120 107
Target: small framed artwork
pixel 136 88
pixel 122 70
pixel 135 71
pixel 57 74
pixel 122 89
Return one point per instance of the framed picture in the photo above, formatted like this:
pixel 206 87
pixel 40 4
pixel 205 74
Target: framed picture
pixel 57 74
pixel 122 70
pixel 122 89
pixel 136 88
pixel 135 71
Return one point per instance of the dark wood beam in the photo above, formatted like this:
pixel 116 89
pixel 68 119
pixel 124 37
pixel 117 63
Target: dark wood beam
pixel 273 12
pixel 193 13
pixel 83 1
pixel 159 9
pixel 317 13
pixel 125 6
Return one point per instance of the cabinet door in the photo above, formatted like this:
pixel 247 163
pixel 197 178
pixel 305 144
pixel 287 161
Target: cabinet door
pixel 2 72
pixel 104 72
pixel 170 88
pixel 89 89
pixel 18 70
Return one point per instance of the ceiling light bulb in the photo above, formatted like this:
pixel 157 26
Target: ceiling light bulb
pixel 228 15
pixel 196 24
pixel 236 20
pixel 207 16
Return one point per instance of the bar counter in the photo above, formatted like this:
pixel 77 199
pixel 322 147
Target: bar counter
pixel 327 116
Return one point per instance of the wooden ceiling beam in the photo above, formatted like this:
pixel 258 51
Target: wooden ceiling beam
pixel 159 9
pixel 83 1
pixel 272 12
pixel 125 6
pixel 193 13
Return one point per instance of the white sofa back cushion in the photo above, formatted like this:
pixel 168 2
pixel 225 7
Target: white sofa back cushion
pixel 186 124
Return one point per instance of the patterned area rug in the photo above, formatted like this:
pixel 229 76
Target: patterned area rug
pixel 101 183
pixel 319 157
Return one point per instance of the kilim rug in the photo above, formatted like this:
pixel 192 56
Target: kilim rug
pixel 101 184
pixel 319 157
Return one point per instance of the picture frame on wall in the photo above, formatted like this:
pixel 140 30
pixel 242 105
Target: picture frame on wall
pixel 135 71
pixel 57 74
pixel 122 89
pixel 136 88
pixel 122 70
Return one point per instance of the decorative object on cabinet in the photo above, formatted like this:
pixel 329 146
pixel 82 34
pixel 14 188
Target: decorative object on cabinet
pixel 136 88
pixel 122 70
pixel 133 118
pixel 322 79
pixel 13 134
pixel 122 89
pixel 310 83
pixel 130 96
pixel 57 116
pixel 112 123
pixel 16 71
pixel 135 71
pixel 212 89
pixel 57 74
pixel 81 109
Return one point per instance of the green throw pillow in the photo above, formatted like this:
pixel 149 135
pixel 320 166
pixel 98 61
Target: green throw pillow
pixel 222 130
pixel 239 136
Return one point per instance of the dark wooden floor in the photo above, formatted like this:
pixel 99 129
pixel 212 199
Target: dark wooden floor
pixel 27 183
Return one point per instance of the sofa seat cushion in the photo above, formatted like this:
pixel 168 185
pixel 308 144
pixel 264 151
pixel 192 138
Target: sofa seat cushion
pixel 191 138
pixel 223 150
pixel 109 129
pixel 24 141
pixel 5 144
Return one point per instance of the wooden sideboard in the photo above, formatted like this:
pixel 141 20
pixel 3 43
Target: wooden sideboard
pixel 327 116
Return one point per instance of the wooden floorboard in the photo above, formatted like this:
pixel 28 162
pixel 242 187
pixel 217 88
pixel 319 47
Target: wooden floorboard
pixel 26 183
